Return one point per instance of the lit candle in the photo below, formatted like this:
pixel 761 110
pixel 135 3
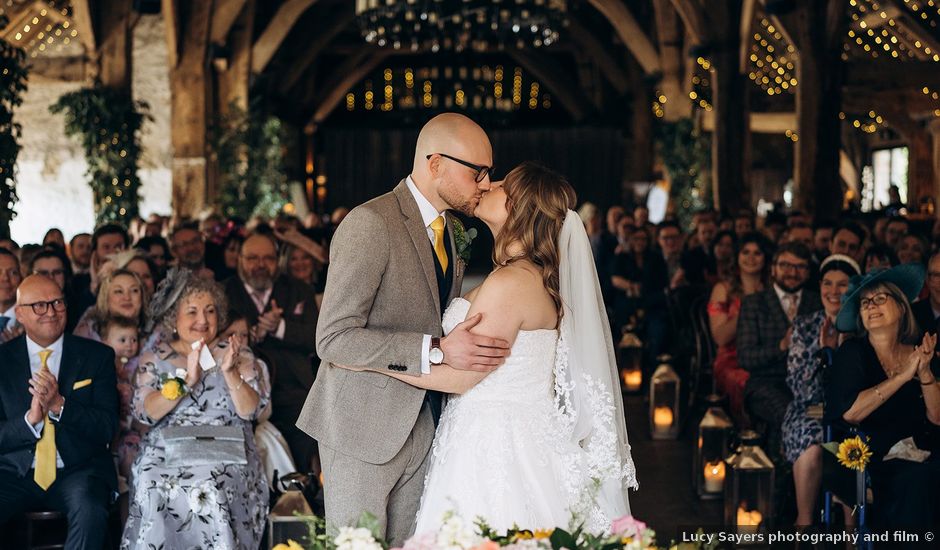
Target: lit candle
pixel 632 379
pixel 714 476
pixel 748 520
pixel 662 418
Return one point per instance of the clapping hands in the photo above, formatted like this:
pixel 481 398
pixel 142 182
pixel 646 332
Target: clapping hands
pixel 919 362
pixel 267 322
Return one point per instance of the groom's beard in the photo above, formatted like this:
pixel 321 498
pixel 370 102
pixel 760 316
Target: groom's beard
pixel 464 205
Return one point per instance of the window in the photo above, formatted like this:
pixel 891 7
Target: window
pixel 888 168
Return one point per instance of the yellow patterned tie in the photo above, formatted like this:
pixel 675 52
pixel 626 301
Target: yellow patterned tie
pixel 438 227
pixel 45 448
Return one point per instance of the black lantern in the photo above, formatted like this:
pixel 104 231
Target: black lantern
pixel 713 444
pixel 664 400
pixel 749 487
pixel 630 360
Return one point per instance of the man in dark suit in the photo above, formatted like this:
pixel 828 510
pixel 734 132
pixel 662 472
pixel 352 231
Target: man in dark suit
pixel 58 413
pixel 282 314
pixel 765 325
pixel 927 312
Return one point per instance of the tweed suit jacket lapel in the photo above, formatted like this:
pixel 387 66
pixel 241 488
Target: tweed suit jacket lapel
pixel 419 236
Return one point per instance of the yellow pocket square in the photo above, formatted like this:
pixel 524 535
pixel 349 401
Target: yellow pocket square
pixel 81 384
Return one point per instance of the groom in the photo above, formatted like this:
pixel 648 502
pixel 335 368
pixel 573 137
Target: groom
pixel 393 270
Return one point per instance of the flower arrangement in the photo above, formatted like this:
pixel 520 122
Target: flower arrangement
pixel 463 238
pixel 173 386
pixel 852 452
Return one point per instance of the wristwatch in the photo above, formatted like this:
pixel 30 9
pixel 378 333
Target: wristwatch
pixel 436 354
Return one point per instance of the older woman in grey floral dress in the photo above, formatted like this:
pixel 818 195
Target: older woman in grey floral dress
pixel 199 503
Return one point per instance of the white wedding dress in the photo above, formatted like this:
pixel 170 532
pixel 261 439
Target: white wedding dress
pixel 502 450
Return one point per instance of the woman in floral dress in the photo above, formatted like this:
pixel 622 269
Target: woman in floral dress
pixel 200 504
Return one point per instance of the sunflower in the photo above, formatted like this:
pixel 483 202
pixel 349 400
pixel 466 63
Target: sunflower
pixel 854 453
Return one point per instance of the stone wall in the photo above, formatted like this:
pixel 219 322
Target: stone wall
pixel 51 181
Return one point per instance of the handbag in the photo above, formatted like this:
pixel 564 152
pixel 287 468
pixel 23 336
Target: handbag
pixel 204 445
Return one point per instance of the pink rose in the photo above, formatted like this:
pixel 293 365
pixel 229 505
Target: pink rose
pixel 627 526
pixel 487 545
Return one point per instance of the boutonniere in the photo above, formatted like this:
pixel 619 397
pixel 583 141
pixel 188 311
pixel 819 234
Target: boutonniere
pixel 463 237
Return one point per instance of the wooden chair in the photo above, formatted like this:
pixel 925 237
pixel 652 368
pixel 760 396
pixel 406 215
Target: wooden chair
pixel 45 519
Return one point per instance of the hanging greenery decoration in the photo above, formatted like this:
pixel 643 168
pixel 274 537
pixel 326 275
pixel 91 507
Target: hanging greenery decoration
pixel 686 153
pixel 248 148
pixel 13 75
pixel 108 121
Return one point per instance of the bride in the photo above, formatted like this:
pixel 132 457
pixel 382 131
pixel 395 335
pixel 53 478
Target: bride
pixel 541 439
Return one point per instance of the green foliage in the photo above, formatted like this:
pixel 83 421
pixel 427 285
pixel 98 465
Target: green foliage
pixel 108 122
pixel 249 149
pixel 686 152
pixel 13 75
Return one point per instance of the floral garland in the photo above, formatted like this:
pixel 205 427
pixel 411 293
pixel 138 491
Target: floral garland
pixel 13 74
pixel 108 121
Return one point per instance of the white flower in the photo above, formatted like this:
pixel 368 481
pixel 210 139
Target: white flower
pixel 180 373
pixel 350 538
pixel 456 534
pixel 202 498
pixel 170 488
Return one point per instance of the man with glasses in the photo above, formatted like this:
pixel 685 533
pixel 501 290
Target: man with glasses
pixel 58 414
pixel 764 328
pixel 394 268
pixel 927 311
pixel 189 248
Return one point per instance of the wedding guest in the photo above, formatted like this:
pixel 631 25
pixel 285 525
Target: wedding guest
pixel 723 251
pixel 138 263
pixel 189 248
pixel 157 251
pixel 107 239
pixel 878 256
pixel 54 237
pixel 913 249
pixel 927 311
pixel 122 335
pixel 54 454
pixel 885 382
pixel 10 278
pixel 53 263
pixel 11 245
pixel 282 313
pixel 80 252
pixel 669 239
pixel 183 499
pixel 743 223
pixel 750 276
pixel 698 264
pixel 121 294
pixel 895 229
pixel 799 232
pixel 802 432
pixel 848 239
pixel 765 334
pixel 822 238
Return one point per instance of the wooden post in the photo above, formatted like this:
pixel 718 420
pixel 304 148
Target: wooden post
pixel 934 128
pixel 188 38
pixel 233 73
pixel 114 45
pixel 920 167
pixel 817 28
pixel 731 137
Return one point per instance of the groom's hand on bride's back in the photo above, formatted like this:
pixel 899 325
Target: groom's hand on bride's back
pixel 465 350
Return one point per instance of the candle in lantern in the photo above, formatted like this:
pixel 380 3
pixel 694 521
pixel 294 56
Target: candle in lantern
pixel 714 476
pixel 662 418
pixel 748 520
pixel 632 379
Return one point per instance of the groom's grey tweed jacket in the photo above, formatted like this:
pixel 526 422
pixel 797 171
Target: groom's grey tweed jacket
pixel 381 299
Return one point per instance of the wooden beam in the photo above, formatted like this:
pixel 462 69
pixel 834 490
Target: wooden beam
pixel 693 18
pixel 232 83
pixel 591 46
pixel 81 17
pixel 910 25
pixel 934 129
pixel 630 33
pixel 276 31
pixel 171 20
pixel 555 80
pixel 352 70
pixel 114 44
pixel 670 57
pixel 890 74
pixel 760 123
pixel 320 39
pixel 223 17
pixel 62 69
pixel 748 9
pixel 17 21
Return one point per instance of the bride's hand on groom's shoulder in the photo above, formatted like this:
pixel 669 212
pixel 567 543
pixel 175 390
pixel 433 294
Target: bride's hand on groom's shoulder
pixel 467 351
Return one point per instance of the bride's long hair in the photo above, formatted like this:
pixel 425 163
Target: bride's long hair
pixel 537 201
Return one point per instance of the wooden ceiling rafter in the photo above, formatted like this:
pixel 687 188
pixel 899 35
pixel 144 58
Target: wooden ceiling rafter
pixel 82 19
pixel 630 33
pixel 323 36
pixel 224 15
pixel 555 80
pixel 276 31
pixel 351 71
pixel 600 55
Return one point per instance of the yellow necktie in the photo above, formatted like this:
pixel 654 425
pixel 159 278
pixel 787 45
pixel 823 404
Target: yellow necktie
pixel 45 448
pixel 438 227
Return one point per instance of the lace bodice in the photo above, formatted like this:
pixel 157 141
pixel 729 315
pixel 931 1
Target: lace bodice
pixel 528 367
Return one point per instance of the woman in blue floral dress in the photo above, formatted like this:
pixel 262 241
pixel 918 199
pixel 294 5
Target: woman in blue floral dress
pixel 218 504
pixel 802 431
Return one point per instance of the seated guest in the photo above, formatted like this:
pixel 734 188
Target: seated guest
pixel 885 382
pixel 912 248
pixel 822 238
pixel 189 248
pixel 122 335
pixel 743 223
pixel 53 263
pixel 122 295
pixel 54 450
pixel 724 305
pixel 182 499
pixel 669 239
pixel 927 311
pixel 847 239
pixel 802 432
pixel 895 229
pixel 764 337
pixel 722 250
pixel 54 237
pixel 879 256
pixel 698 264
pixel 80 252
pixel 157 251
pixel 107 239
pixel 283 315
pixel 10 278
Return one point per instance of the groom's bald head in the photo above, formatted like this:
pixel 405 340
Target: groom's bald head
pixel 452 134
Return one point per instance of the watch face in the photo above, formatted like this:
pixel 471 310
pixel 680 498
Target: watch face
pixel 436 356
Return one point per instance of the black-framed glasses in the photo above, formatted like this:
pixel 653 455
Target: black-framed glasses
pixel 786 266
pixel 40 308
pixel 482 171
pixel 876 299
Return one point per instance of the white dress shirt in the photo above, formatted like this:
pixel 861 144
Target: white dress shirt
pixel 428 215
pixel 35 364
pixel 261 302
